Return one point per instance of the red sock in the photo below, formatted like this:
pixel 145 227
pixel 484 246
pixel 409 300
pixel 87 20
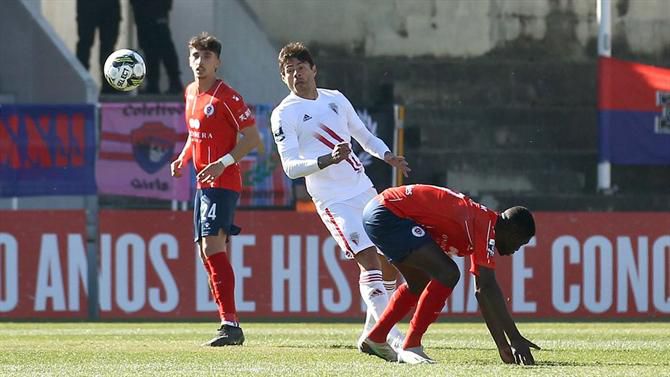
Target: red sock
pixel 430 305
pixel 399 305
pixel 222 279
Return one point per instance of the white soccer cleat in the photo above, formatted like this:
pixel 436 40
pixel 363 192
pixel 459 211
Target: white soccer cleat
pixel 381 350
pixel 414 355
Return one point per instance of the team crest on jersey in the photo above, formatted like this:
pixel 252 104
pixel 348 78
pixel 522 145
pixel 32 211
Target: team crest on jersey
pixel 491 247
pixel 418 231
pixel 333 106
pixel 209 110
pixel 153 145
pixel 355 238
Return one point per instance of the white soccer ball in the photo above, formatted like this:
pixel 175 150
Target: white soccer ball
pixel 124 69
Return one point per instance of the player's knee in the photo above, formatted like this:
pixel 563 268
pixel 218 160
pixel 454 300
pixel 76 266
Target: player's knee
pixel 449 276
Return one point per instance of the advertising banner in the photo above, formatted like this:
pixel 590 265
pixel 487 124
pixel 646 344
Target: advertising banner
pixel 137 144
pixel 579 266
pixel 47 150
pixel 43 265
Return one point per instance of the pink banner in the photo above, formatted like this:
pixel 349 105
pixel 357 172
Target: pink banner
pixel 137 143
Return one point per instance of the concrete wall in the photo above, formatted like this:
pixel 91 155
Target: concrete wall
pixel 456 28
pixel 247 51
pixel 35 66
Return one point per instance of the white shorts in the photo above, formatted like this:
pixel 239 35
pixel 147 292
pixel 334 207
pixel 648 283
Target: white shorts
pixel 344 221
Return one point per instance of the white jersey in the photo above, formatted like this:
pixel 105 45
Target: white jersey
pixel 306 129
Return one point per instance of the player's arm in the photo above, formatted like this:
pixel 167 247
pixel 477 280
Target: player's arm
pixel 499 321
pixel 371 143
pixel 184 157
pixel 249 141
pixel 289 151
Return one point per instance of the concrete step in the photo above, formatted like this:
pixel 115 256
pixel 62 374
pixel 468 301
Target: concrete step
pixel 577 202
pixel 503 127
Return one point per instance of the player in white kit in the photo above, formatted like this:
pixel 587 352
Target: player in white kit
pixel 312 128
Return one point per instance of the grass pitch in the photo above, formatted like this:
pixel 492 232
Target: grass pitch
pixel 323 349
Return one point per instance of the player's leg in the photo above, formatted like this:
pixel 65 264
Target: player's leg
pixel 86 25
pixel 344 221
pixel 401 302
pixel 444 275
pixel 215 214
pixel 397 238
pixel 390 278
pixel 109 33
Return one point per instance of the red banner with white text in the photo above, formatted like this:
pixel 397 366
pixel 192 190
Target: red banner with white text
pixel 580 265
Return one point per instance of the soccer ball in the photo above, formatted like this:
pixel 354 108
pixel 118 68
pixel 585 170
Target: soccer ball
pixel 124 69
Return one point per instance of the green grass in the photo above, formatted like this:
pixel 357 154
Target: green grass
pixel 318 349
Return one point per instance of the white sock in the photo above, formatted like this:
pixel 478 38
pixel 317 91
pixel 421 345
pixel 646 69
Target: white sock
pixel 389 285
pixel 373 292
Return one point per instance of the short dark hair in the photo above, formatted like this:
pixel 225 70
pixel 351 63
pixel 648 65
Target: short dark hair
pixel 294 50
pixel 523 221
pixel 206 42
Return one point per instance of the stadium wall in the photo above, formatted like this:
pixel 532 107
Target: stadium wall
pixel 24 78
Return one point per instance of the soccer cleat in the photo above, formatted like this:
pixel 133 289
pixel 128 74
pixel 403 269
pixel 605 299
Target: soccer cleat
pixel 227 336
pixel 414 355
pixel 381 350
pixel 396 343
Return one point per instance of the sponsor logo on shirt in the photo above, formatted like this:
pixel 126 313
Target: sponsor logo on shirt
pixel 279 135
pixel 194 123
pixel 306 118
pixel 490 248
pixel 245 115
pixel 418 231
pixel 201 135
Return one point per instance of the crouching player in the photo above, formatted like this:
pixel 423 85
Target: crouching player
pixel 420 228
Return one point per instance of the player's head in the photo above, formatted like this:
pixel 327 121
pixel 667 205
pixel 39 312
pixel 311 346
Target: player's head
pixel 204 52
pixel 297 68
pixel 514 228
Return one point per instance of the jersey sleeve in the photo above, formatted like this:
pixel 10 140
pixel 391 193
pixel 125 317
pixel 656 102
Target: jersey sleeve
pixel 484 243
pixel 284 134
pixel 237 111
pixel 370 143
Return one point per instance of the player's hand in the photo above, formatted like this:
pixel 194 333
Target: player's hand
pixel 506 355
pixel 175 167
pixel 210 173
pixel 521 351
pixel 397 162
pixel 340 152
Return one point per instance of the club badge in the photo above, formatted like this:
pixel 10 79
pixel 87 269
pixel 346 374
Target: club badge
pixel 209 110
pixel 418 231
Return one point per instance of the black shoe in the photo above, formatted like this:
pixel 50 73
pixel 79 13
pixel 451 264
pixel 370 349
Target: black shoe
pixel 227 336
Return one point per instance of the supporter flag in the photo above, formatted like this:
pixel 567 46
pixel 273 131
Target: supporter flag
pixel 47 150
pixel 264 183
pixel 137 144
pixel 634 113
